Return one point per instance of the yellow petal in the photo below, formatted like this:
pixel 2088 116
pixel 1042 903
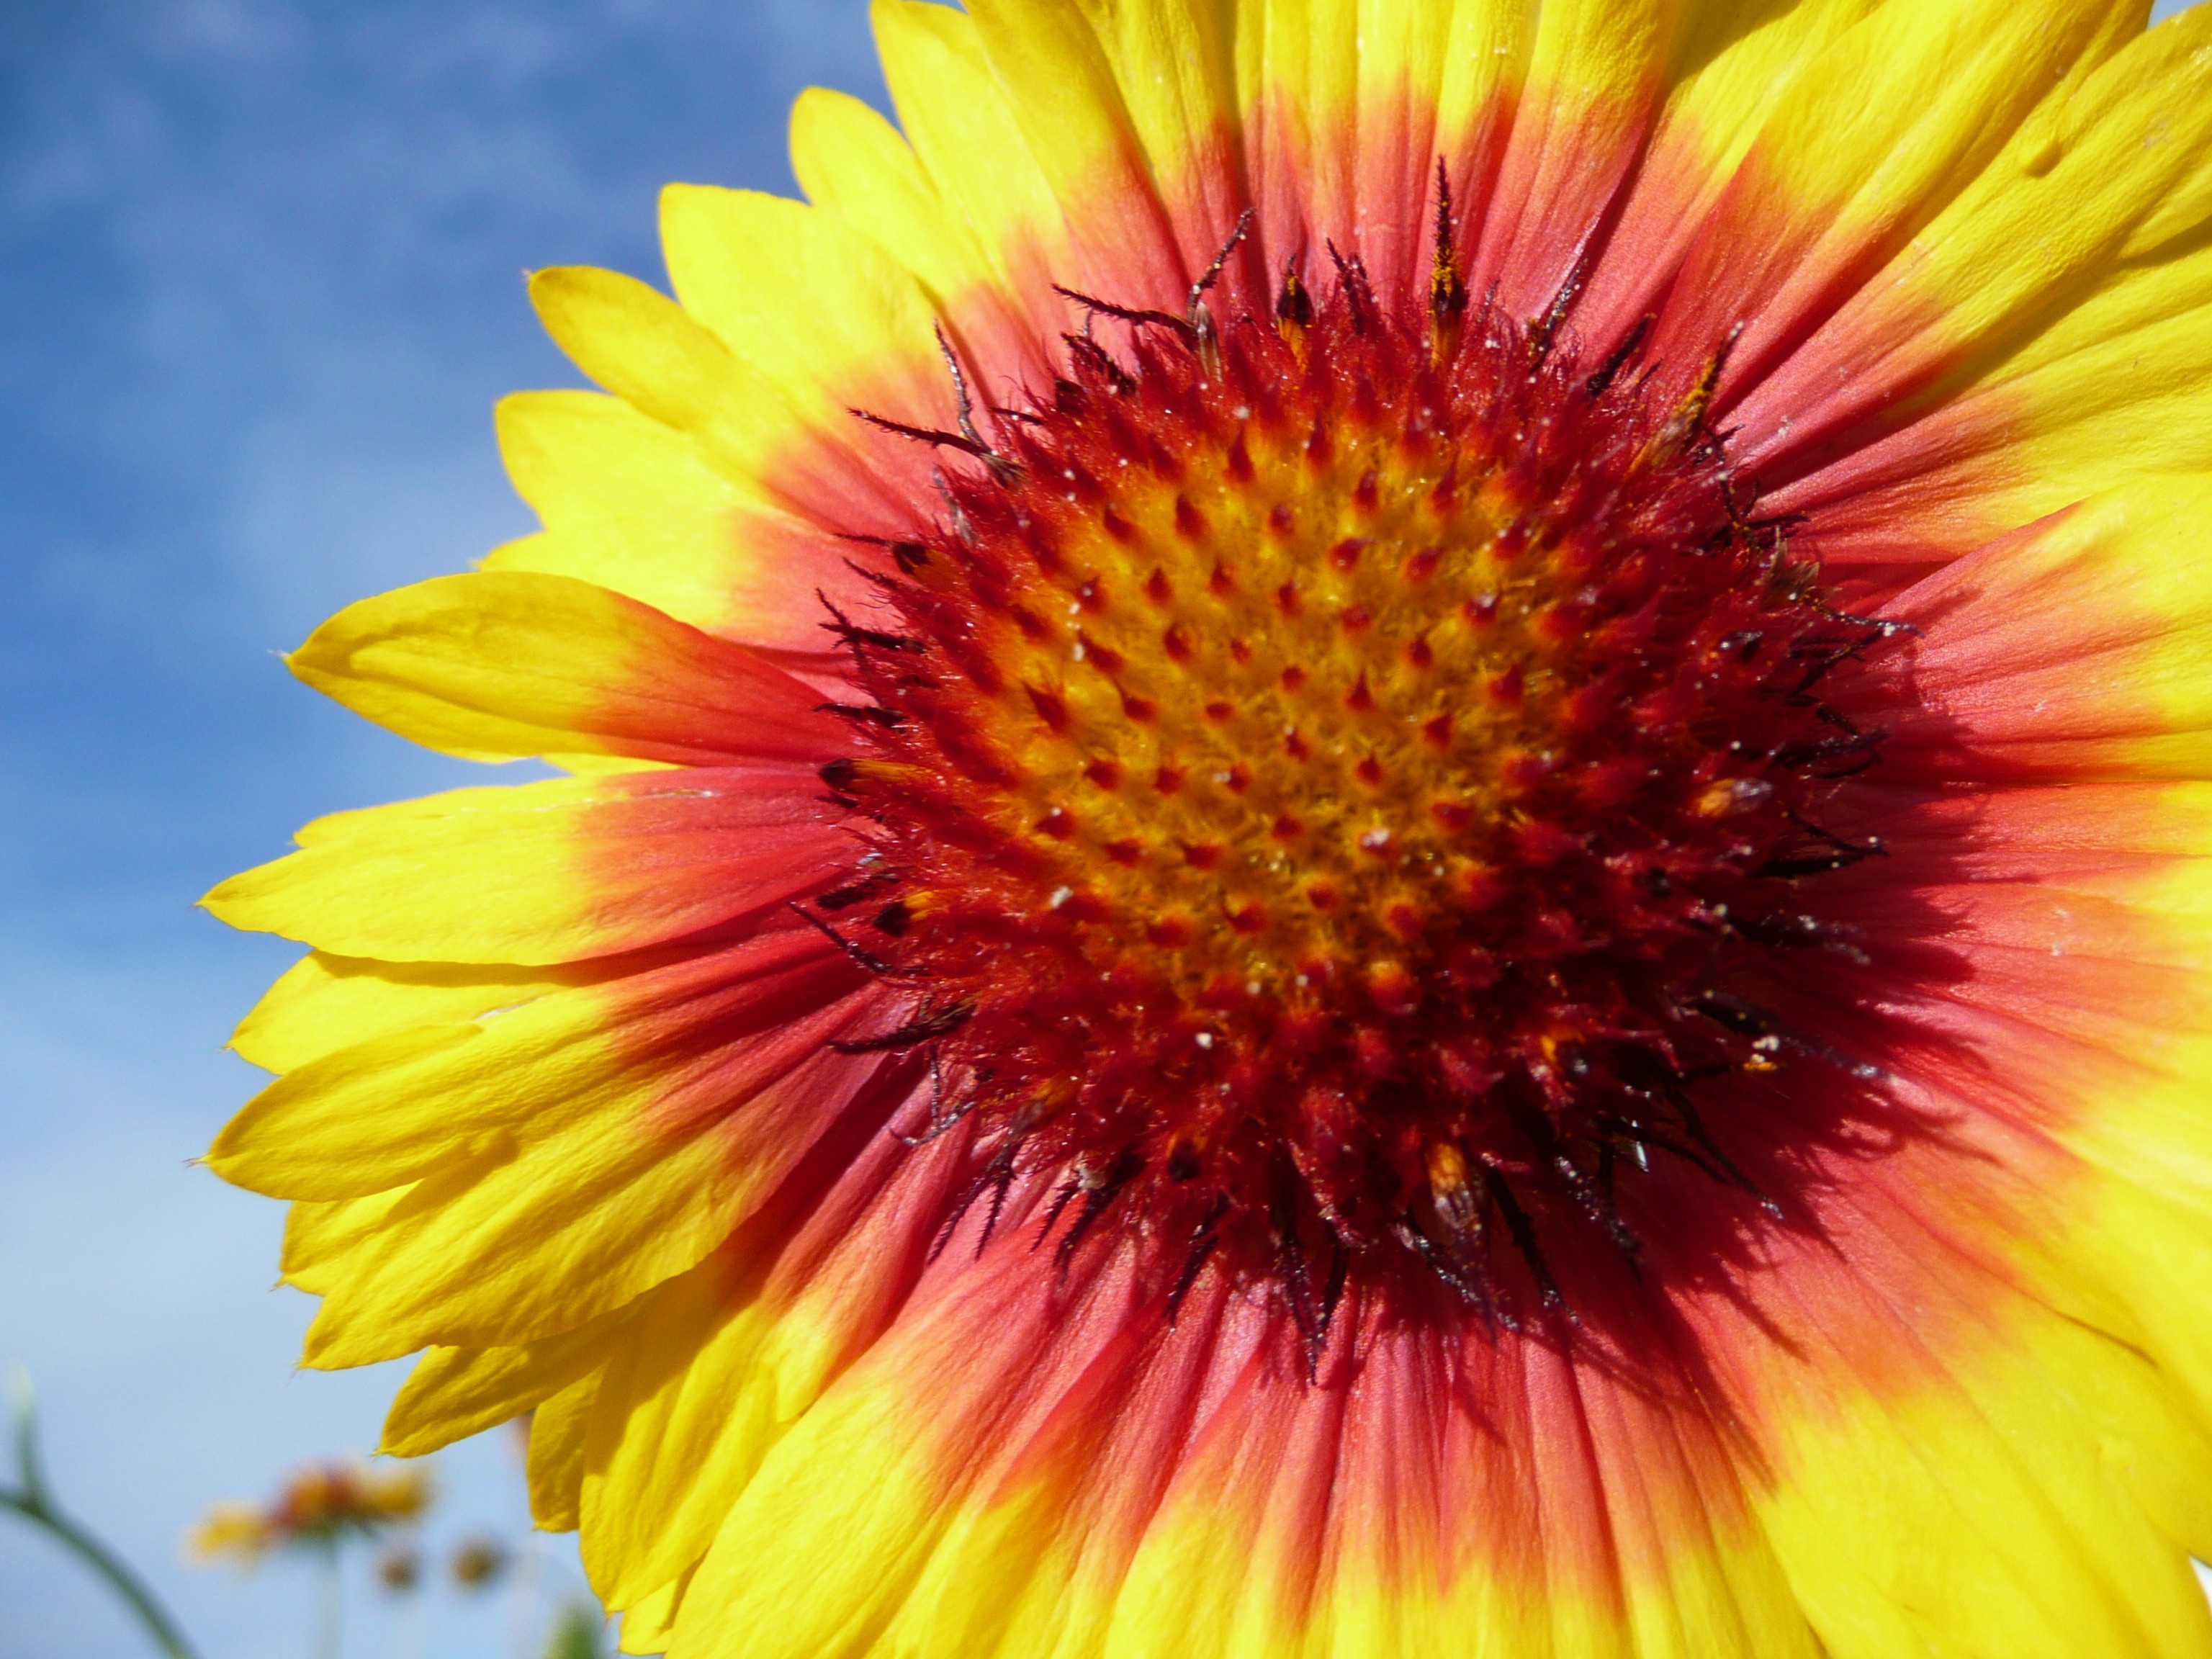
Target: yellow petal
pixel 692 1404
pixel 2044 1467
pixel 1739 68
pixel 853 163
pixel 307 1135
pixel 513 1250
pixel 966 136
pixel 547 872
pixel 638 507
pixel 454 1393
pixel 2112 388
pixel 993 1478
pixel 556 1456
pixel 2072 649
pixel 773 396
pixel 324 1003
pixel 649 1626
pixel 1595 75
pixel 2106 169
pixel 726 1359
pixel 865 336
pixel 1057 76
pixel 564 1169
pixel 731 1023
pixel 2152 1249
pixel 1436 79
pixel 320 1233
pixel 1148 86
pixel 649 352
pixel 776 428
pixel 503 664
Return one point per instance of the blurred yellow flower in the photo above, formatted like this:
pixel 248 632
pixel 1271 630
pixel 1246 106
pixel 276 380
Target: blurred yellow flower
pixel 320 1505
pixel 230 1531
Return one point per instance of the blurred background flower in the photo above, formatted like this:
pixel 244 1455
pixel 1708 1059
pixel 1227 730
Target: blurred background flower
pixel 231 1532
pixel 318 1509
pixel 326 1506
pixel 399 1569
pixel 479 1562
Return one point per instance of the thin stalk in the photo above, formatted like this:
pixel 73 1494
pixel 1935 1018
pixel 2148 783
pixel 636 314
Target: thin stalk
pixel 33 1499
pixel 332 1613
pixel 407 1639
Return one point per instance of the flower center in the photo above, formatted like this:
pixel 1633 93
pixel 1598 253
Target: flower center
pixel 1327 777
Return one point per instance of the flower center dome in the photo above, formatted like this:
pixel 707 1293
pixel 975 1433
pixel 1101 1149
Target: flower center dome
pixel 1328 780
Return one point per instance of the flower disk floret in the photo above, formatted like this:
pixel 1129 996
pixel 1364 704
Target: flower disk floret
pixel 1334 778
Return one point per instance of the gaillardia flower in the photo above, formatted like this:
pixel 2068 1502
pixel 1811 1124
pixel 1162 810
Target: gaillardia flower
pixel 320 1508
pixel 1386 838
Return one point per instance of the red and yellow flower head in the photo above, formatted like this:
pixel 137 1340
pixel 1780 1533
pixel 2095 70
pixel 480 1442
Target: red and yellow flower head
pixel 320 1506
pixel 1386 838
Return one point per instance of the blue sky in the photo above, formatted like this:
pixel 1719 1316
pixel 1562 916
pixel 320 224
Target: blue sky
pixel 260 282
pixel 259 285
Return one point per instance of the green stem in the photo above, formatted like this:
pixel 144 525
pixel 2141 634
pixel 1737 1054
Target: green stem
pixel 34 1507
pixel 34 1501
